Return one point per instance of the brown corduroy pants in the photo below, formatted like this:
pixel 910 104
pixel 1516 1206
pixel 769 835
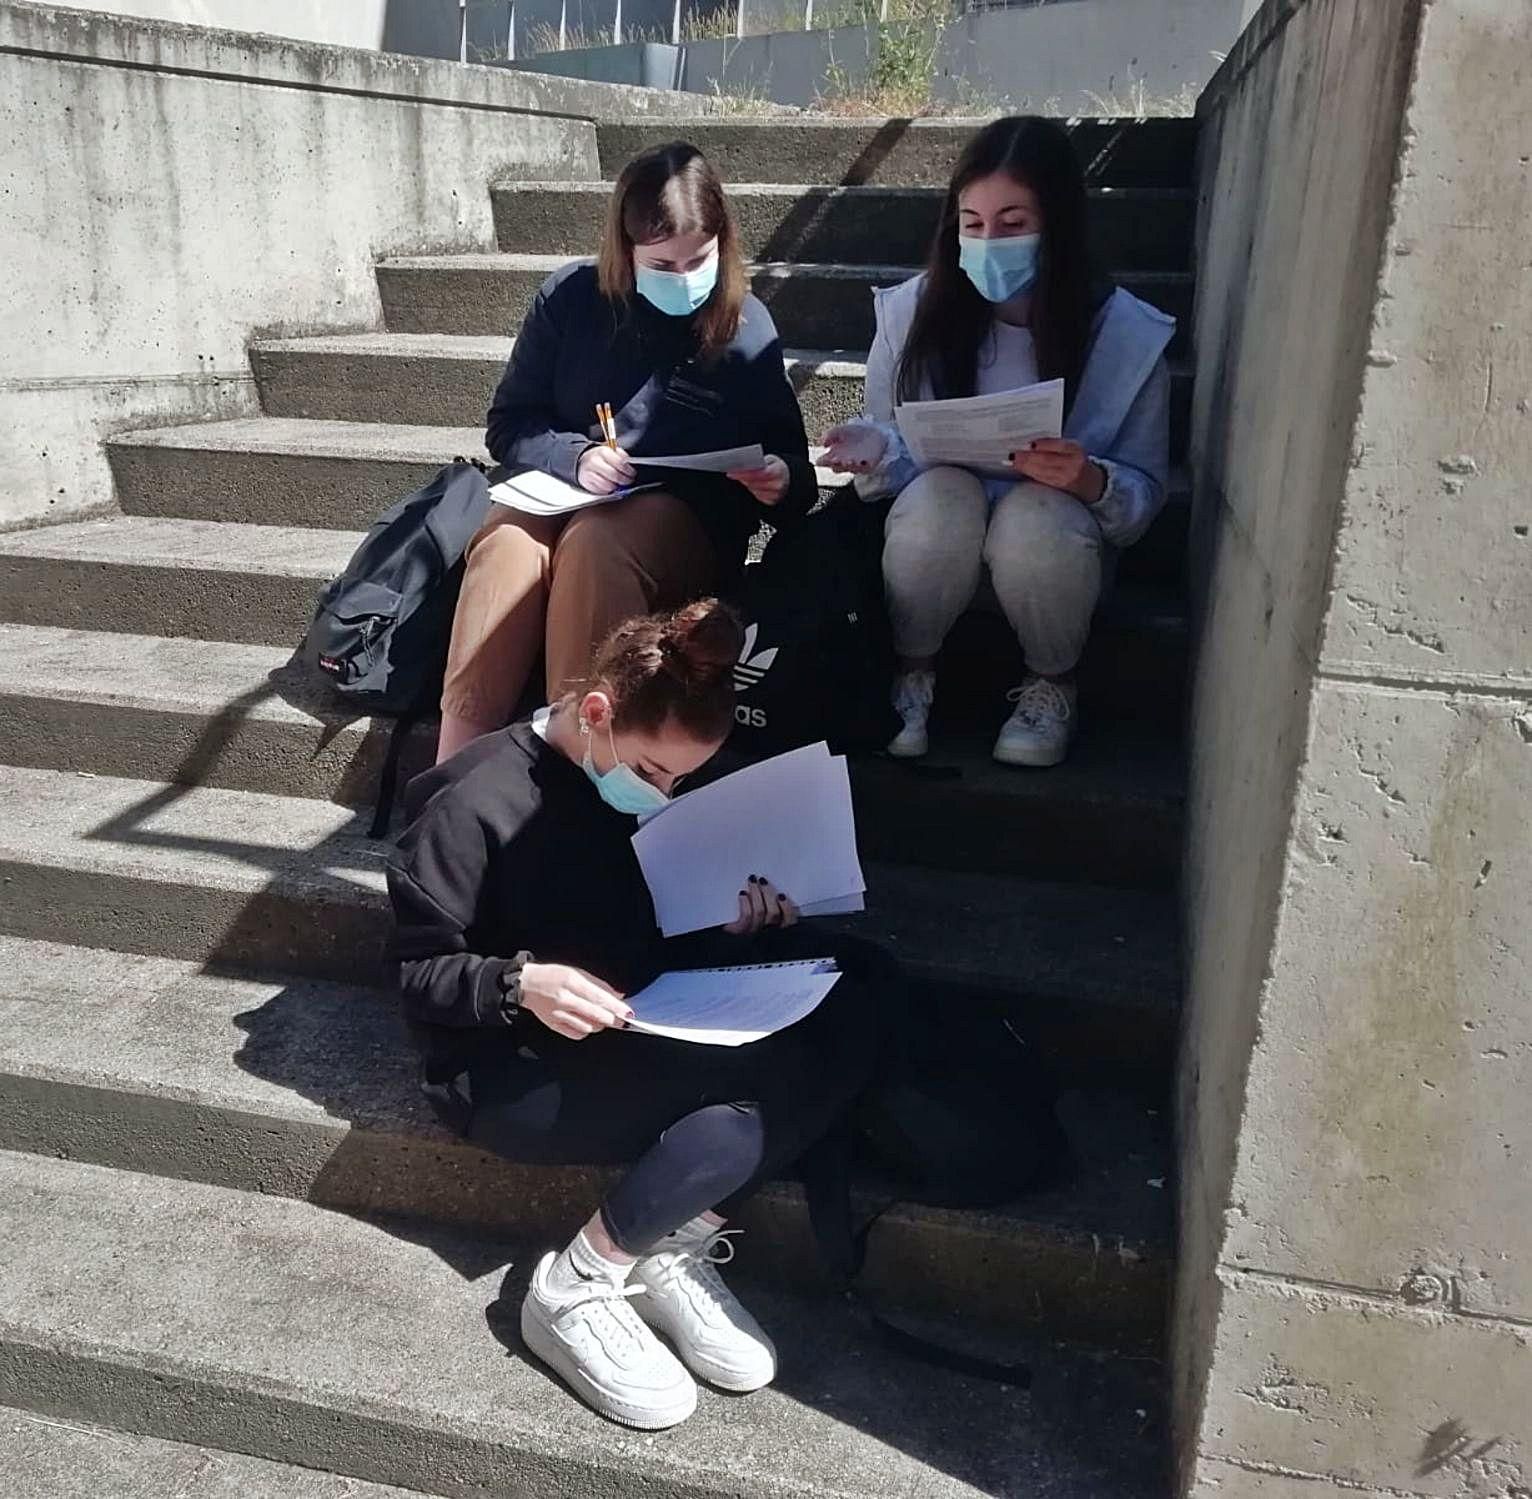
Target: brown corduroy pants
pixel 560 586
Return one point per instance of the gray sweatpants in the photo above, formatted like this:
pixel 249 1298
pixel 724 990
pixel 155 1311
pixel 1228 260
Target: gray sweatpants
pixel 1041 549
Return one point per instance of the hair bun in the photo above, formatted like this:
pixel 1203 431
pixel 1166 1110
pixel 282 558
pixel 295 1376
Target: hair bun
pixel 701 643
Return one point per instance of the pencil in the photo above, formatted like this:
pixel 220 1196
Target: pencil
pixel 608 424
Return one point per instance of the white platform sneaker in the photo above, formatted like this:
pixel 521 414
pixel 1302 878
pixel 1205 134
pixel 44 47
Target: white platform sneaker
pixel 1041 724
pixel 594 1342
pixel 913 691
pixel 685 1298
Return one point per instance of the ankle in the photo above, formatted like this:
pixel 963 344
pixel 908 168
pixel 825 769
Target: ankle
pixel 582 1263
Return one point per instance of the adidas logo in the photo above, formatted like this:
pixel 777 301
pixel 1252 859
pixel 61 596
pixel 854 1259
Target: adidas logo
pixel 749 670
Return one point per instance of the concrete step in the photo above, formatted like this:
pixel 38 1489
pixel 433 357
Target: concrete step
pixel 301 1335
pixel 308 1089
pixel 286 471
pixel 274 472
pixel 1133 228
pixel 1114 152
pixel 197 579
pixel 814 306
pixel 435 378
pixel 290 884
pixel 256 585
pixel 71 1460
pixel 194 712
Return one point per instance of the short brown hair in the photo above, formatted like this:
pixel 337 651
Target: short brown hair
pixel 678 666
pixel 662 192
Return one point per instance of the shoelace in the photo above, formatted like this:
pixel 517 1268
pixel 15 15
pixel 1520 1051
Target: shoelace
pixel 608 1304
pixel 1038 698
pixel 698 1264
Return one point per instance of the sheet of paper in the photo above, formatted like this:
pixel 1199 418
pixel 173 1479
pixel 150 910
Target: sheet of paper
pixel 731 1006
pixel 539 493
pixel 979 431
pixel 721 462
pixel 788 819
pixel 843 905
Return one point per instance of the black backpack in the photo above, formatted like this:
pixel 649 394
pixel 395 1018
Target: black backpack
pixel 818 656
pixel 380 630
pixel 959 1117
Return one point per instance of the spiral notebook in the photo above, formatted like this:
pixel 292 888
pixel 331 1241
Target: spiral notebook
pixel 731 1006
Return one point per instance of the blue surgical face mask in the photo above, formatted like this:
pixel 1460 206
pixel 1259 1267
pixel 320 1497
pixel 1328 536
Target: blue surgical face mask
pixel 622 788
pixel 1000 268
pixel 678 293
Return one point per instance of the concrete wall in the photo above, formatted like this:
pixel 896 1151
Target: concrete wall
pixel 175 191
pixel 1066 56
pixel 1354 1308
pixel 350 23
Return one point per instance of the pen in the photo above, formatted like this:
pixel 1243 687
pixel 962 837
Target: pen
pixel 608 425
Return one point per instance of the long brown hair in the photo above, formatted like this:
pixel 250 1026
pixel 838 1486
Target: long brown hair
pixel 662 192
pixel 952 320
pixel 677 667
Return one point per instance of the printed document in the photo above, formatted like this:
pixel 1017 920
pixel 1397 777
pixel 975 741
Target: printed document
pixel 731 1006
pixel 979 431
pixel 724 461
pixel 537 492
pixel 787 819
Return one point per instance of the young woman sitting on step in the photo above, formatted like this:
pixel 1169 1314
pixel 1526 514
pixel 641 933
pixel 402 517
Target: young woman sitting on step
pixel 521 920
pixel 663 329
pixel 1007 299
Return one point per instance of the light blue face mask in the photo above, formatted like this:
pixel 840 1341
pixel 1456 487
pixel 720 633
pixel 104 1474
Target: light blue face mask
pixel 1000 268
pixel 678 293
pixel 621 788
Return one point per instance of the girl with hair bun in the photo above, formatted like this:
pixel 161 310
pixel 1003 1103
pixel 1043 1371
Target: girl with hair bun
pixel 521 921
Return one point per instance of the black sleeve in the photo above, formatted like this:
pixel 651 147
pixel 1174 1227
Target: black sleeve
pixel 434 886
pixel 782 433
pixel 523 426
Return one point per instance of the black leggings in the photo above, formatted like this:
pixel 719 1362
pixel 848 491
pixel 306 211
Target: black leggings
pixel 703 1125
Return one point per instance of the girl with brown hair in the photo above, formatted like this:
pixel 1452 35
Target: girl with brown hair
pixel 663 328
pixel 522 920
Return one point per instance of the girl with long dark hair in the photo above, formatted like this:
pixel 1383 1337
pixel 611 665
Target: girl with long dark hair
pixel 1010 297
pixel 663 328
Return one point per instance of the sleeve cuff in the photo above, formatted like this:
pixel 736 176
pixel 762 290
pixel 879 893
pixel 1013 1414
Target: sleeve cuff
pixel 498 999
pixel 564 457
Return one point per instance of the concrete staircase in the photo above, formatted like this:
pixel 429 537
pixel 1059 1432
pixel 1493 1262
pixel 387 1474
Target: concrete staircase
pixel 225 1219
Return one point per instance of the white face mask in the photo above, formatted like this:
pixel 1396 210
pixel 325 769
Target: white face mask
pixel 621 788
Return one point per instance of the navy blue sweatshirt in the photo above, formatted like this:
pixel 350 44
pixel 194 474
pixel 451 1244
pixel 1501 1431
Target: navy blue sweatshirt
pixel 577 348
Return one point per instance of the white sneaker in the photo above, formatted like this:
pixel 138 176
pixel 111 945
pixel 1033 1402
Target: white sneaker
pixel 685 1298
pixel 604 1353
pixel 913 691
pixel 1040 726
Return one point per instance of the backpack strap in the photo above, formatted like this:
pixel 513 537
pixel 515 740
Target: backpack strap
pixel 388 777
pixel 825 1171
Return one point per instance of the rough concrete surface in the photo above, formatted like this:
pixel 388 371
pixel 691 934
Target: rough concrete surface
pixel 308 1089
pixel 276 1328
pixel 219 186
pixel 1364 673
pixel 1404 1157
pixel 812 305
pixel 198 580
pixel 1100 984
pixel 1369 1392
pixel 912 153
pixel 1145 229
pixel 59 1459
pixel 1435 541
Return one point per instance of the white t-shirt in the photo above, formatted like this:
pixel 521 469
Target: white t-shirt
pixel 1007 360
